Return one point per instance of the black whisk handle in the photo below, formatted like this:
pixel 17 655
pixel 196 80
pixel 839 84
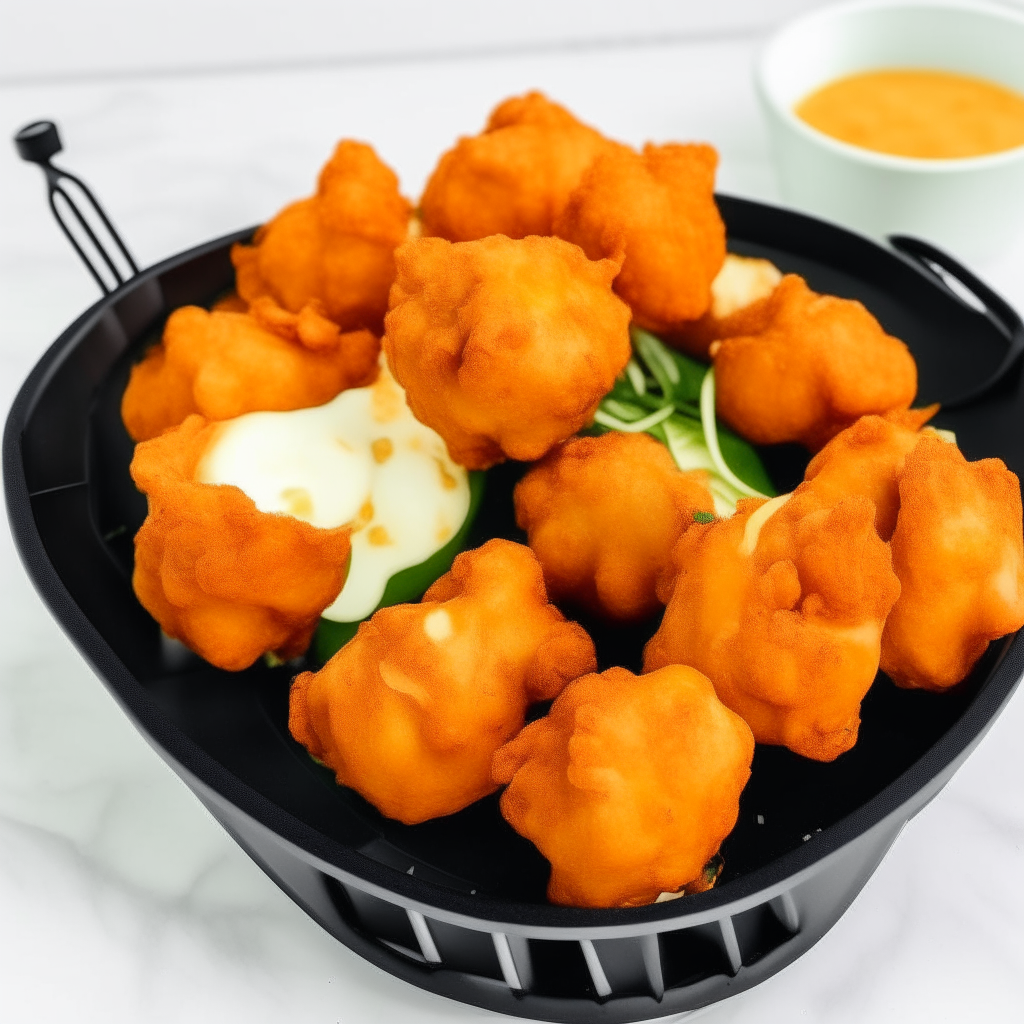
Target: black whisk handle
pixel 107 258
pixel 38 142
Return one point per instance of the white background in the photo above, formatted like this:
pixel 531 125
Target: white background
pixel 120 899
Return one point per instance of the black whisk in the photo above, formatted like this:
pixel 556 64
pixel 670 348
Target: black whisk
pixel 37 143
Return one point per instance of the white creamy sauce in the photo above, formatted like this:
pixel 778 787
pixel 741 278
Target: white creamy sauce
pixel 362 458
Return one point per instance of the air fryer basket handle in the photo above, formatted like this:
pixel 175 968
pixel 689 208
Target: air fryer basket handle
pixel 37 143
pixel 987 303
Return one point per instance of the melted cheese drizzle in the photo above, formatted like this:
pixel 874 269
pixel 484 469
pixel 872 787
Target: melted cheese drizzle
pixel 362 458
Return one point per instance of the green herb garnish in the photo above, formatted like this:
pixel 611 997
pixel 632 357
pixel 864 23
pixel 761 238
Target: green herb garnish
pixel 672 397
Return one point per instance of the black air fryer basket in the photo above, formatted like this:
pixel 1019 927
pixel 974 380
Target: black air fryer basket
pixel 456 905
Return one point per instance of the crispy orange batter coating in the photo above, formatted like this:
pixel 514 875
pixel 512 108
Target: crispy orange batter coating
pixel 514 178
pixel 820 364
pixel 737 305
pixel 411 710
pixel 782 607
pixel 658 209
pixel 227 580
pixel 958 550
pixel 504 347
pixel 868 459
pixel 628 786
pixel 603 514
pixel 337 247
pixel 223 364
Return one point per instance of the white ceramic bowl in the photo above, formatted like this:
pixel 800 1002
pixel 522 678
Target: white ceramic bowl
pixel 971 206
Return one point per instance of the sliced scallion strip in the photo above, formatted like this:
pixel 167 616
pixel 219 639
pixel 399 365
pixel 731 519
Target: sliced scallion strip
pixel 637 426
pixel 624 410
pixel 636 377
pixel 686 444
pixel 659 362
pixel 707 419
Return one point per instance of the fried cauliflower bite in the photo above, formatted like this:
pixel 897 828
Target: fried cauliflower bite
pixel 504 347
pixel 411 710
pixel 223 364
pixel 229 581
pixel 602 515
pixel 514 178
pixel 958 550
pixel 657 209
pixel 738 305
pixel 867 458
pixel 782 607
pixel 336 248
pixel 628 786
pixel 818 364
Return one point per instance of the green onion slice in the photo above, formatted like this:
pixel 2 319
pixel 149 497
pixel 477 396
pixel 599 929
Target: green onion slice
pixel 710 425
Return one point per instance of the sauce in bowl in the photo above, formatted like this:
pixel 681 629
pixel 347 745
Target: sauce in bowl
pixel 932 115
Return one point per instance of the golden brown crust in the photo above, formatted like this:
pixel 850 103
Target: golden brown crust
pixel 656 212
pixel 867 458
pixel 784 615
pixel 628 786
pixel 336 247
pixel 602 515
pixel 958 550
pixel 504 347
pixel 222 364
pixel 515 177
pixel 410 711
pixel 229 581
pixel 818 365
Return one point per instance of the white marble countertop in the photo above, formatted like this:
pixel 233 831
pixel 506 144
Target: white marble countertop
pixel 120 899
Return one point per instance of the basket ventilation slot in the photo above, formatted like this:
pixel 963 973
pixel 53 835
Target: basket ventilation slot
pixel 386 922
pixel 692 955
pixel 467 951
pixel 760 931
pixel 599 969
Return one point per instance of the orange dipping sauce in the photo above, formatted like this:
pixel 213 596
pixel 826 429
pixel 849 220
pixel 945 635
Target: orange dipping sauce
pixel 932 115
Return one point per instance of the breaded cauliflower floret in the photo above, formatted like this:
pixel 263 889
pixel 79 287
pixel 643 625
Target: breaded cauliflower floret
pixel 628 786
pixel 411 710
pixel 656 212
pixel 229 581
pixel 782 607
pixel 223 364
pixel 514 178
pixel 336 248
pixel 603 514
pixel 504 347
pixel 958 550
pixel 811 365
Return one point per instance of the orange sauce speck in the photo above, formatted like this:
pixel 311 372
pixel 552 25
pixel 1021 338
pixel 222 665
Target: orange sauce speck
pixel 366 513
pixel 383 448
pixel 379 536
pixel 932 115
pixel 448 482
pixel 297 502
